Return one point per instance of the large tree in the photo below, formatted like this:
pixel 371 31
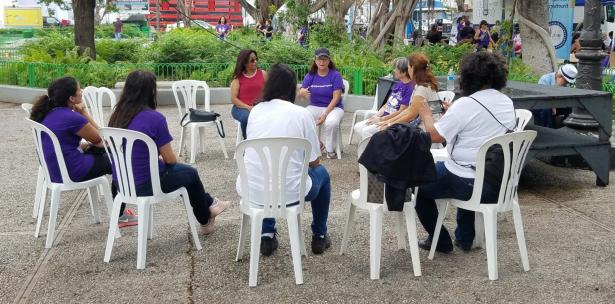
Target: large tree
pixel 84 13
pixel 386 24
pixel 538 50
pixel 263 9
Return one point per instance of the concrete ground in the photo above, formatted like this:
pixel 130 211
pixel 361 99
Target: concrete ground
pixel 569 225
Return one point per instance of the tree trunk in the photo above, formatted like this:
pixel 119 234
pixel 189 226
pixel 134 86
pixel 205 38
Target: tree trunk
pixel 84 26
pixel 337 9
pixel 375 24
pixel 460 5
pixel 533 18
pixel 184 12
pixel 262 8
pixel 398 11
pixel 402 19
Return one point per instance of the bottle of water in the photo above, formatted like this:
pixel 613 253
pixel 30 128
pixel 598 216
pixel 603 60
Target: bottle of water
pixel 450 80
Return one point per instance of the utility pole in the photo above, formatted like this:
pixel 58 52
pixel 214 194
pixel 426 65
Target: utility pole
pixel 157 16
pixel 421 17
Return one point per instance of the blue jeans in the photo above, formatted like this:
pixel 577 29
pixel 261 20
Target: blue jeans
pixel 241 115
pixel 118 36
pixel 449 185
pixel 181 175
pixel 319 196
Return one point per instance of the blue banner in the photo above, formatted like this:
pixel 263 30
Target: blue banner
pixel 604 2
pixel 560 26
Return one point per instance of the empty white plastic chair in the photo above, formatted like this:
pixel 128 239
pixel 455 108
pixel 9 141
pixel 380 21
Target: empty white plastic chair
pixel 508 199
pixel 188 90
pixel 67 184
pixel 119 145
pixel 274 154
pixel 364 115
pixel 93 98
pixel 358 199
pixel 41 190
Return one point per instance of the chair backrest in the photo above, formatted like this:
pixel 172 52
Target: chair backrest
pixel 447 96
pixel 38 130
pixel 93 98
pixel 514 160
pixel 346 90
pixel 523 117
pixel 188 90
pixel 119 144
pixel 273 154
pixel 27 107
pixel 375 105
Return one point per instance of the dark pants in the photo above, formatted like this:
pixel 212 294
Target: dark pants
pixel 449 185
pixel 181 175
pixel 319 196
pixel 101 167
pixel 241 115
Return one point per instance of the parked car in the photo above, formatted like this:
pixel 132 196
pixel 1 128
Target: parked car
pixel 50 21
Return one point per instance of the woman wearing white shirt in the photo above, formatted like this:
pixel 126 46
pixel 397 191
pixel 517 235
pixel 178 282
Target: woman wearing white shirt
pixel 466 125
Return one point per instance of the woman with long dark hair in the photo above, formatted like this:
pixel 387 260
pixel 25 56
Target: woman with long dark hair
pixel 63 112
pixel 246 87
pixel 222 29
pixel 136 110
pixel 323 85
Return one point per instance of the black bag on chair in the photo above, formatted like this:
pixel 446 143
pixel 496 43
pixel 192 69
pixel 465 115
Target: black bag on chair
pixel 203 116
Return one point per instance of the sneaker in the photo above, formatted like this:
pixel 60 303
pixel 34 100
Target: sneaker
pixel 127 219
pixel 268 245
pixel 208 228
pixel 331 155
pixel 320 243
pixel 218 207
pixel 130 211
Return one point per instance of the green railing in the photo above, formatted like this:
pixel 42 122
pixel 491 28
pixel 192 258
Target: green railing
pixel 31 74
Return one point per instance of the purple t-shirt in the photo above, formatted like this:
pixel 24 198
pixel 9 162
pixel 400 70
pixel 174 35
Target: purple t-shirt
pixel 65 124
pixel 222 29
pixel 321 88
pixel 153 124
pixel 400 95
pixel 484 38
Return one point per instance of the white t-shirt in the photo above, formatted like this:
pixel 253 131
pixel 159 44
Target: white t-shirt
pixel 279 118
pixel 467 125
pixel 432 99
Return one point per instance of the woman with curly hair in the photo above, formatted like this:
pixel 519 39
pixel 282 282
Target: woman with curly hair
pixel 483 113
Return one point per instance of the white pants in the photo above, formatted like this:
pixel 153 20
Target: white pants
pixel 364 130
pixel 333 120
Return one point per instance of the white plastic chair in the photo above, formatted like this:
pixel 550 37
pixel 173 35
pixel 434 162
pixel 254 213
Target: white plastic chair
pixel 364 115
pixel 358 199
pixel 338 143
pixel 189 89
pixel 93 99
pixel 41 191
pixel 507 200
pixel 119 145
pixel 274 154
pixel 67 184
pixel 446 96
pixel 523 118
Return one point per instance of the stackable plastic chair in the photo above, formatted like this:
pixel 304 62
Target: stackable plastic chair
pixel 364 115
pixel 446 96
pixel 358 199
pixel 188 90
pixel 508 199
pixel 274 154
pixel 93 99
pixel 119 144
pixel 67 184
pixel 338 143
pixel 41 191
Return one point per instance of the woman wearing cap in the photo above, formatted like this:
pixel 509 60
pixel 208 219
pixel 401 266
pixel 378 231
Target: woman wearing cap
pixel 397 102
pixel 246 87
pixel 565 76
pixel 323 85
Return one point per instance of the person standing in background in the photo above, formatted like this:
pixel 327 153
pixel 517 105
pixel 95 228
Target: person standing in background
pixel 268 30
pixel 222 29
pixel 302 36
pixel 117 29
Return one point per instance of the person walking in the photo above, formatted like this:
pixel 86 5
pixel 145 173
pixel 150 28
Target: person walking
pixel 117 29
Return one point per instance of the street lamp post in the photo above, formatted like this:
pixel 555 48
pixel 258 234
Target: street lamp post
pixel 590 58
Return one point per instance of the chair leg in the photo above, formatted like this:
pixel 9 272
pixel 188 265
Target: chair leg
pixel 255 245
pixel 520 236
pixel 202 139
pixel 401 234
pixel 436 235
pixel 142 236
pixel 41 212
pixel 194 132
pixel 295 247
pixel 221 140
pixel 150 224
pixel 113 229
pixel 302 235
pixel 338 149
pixel 107 197
pixel 53 214
pixel 479 230
pixel 413 239
pixel 40 185
pixel 491 226
pixel 243 236
pixel 354 120
pixel 347 229
pixel 181 141
pixel 375 242
pixel 94 203
pixel 192 222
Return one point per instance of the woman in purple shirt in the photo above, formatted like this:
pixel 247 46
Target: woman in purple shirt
pixel 222 29
pixel 482 36
pixel 62 111
pixel 323 85
pixel 136 110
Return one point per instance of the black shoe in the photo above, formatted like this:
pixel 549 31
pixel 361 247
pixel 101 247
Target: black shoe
pixel 426 245
pixel 464 247
pixel 268 245
pixel 320 243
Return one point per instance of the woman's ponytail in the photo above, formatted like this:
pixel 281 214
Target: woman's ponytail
pixel 58 93
pixel 41 107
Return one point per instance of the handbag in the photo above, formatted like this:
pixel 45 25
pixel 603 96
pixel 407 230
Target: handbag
pixel 203 116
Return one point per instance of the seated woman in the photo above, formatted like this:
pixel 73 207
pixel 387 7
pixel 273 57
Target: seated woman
pixel 482 114
pixel 246 87
pixel 136 110
pixel 397 102
pixel 63 112
pixel 425 90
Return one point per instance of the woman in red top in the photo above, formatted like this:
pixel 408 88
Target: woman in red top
pixel 246 87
